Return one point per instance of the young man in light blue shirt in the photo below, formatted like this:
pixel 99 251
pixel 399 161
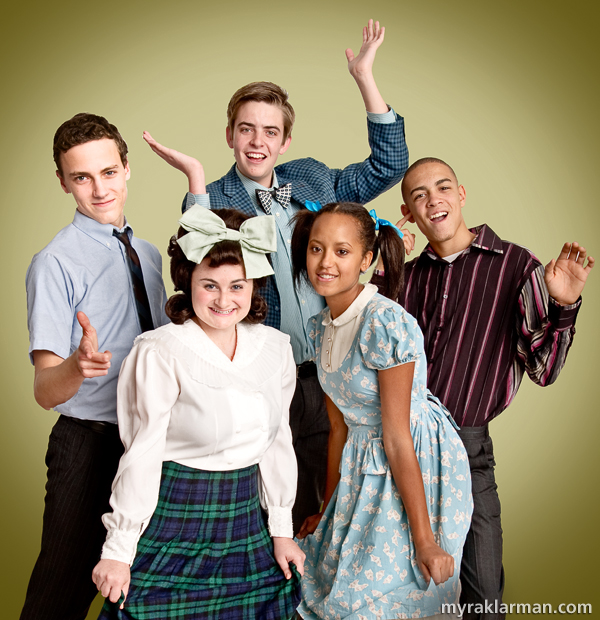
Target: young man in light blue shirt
pixel 90 292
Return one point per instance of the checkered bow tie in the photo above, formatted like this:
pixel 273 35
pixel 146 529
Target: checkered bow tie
pixel 282 195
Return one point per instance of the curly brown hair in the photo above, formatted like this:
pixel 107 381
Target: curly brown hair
pixel 179 308
pixel 82 128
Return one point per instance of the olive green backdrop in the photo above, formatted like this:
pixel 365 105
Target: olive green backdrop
pixel 506 92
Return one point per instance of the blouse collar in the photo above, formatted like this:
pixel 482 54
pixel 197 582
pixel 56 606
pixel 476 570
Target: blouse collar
pixel 354 309
pixel 248 346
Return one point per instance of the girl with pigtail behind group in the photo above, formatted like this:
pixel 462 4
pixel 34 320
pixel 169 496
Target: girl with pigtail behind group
pixel 389 539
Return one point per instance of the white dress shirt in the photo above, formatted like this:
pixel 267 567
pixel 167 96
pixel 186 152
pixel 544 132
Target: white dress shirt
pixel 180 398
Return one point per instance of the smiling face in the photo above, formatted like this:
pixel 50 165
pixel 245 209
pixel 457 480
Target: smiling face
pixel 221 296
pixel 94 173
pixel 334 259
pixel 435 201
pixel 257 140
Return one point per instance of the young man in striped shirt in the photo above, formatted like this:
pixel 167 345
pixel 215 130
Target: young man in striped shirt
pixel 489 312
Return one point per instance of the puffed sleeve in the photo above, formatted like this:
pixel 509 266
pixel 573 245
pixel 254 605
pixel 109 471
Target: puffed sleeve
pixel 278 467
pixel 390 336
pixel 147 390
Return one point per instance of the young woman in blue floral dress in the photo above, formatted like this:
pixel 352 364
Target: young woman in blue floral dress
pixel 397 508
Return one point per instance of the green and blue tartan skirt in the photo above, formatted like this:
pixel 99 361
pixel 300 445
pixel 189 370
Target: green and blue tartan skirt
pixel 206 553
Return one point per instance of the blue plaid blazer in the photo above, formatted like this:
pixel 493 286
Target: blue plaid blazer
pixel 313 180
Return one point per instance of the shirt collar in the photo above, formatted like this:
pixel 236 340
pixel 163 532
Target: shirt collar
pixel 485 239
pixel 354 309
pixel 102 233
pixel 251 186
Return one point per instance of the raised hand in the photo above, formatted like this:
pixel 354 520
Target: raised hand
pixel 90 361
pixel 191 167
pixel 362 65
pixel 434 563
pixel 285 551
pixel 566 276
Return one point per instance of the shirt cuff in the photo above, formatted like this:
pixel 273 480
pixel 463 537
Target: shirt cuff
pixel 382 119
pixel 120 545
pixel 197 199
pixel 280 522
pixel 562 317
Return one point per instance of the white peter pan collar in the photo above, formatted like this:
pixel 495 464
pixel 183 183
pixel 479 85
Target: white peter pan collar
pixel 354 309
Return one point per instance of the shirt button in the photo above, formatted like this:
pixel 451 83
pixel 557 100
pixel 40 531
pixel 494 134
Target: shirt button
pixel 263 428
pixel 277 213
pixel 238 429
pixel 445 296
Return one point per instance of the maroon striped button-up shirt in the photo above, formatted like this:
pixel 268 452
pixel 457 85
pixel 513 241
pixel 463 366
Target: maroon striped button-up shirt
pixel 487 319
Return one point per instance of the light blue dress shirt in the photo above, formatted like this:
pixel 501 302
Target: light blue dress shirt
pixel 84 268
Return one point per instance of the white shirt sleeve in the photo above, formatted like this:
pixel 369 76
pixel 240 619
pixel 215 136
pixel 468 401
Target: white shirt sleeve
pixel 278 466
pixel 147 390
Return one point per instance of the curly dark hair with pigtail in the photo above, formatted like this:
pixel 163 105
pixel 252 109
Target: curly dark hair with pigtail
pixel 179 308
pixel 385 241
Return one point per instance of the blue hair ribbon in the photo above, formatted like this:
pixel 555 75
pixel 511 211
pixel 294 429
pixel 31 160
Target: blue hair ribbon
pixel 380 222
pixel 313 206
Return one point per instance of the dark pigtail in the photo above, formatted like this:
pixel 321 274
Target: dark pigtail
pixel 390 246
pixel 302 222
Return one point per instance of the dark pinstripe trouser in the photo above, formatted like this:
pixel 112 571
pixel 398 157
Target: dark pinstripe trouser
pixel 482 573
pixel 310 434
pixel 81 466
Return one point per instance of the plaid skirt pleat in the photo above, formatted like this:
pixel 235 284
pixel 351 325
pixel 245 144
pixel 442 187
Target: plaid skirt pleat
pixel 206 553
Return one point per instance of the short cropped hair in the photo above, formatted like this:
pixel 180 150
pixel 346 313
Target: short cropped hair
pixel 418 164
pixel 267 92
pixel 179 307
pixel 82 128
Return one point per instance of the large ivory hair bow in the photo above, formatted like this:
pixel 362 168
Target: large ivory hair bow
pixel 257 236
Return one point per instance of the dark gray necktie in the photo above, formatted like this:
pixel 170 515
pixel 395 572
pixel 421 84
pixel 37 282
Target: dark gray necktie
pixel 137 279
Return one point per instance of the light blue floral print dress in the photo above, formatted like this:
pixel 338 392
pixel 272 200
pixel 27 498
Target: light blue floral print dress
pixel 361 561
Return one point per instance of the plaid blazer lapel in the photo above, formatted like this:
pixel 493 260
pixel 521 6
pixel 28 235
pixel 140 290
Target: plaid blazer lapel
pixel 237 196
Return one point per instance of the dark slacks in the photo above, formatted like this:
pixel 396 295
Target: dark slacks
pixel 310 433
pixel 482 573
pixel 81 466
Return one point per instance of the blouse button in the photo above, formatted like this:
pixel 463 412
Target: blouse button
pixel 263 428
pixel 238 429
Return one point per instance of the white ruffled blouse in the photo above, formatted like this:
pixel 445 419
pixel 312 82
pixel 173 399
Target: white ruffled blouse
pixel 180 398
